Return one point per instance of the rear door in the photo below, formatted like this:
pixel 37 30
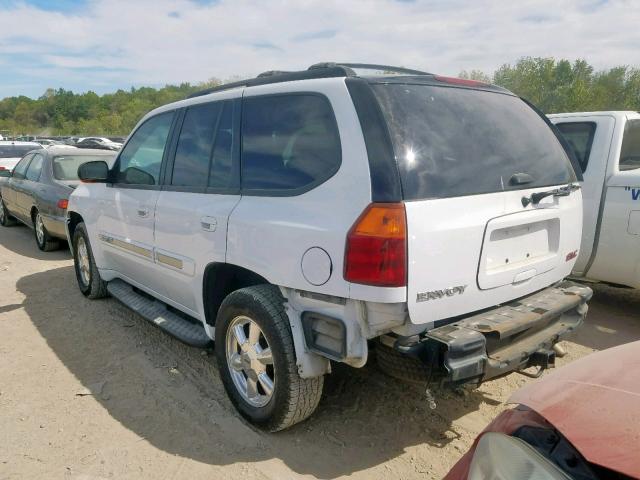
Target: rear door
pixel 469 161
pixel 25 198
pixel 200 192
pixel 14 187
pixel 590 138
pixel 125 225
pixel 617 257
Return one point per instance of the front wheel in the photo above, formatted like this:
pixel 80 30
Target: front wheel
pixel 87 275
pixel 256 359
pixel 45 242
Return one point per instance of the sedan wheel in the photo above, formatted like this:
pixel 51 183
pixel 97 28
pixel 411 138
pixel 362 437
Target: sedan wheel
pixel 250 361
pixel 45 242
pixel 39 229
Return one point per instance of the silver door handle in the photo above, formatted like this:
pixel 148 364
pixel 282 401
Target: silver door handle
pixel 143 212
pixel 208 224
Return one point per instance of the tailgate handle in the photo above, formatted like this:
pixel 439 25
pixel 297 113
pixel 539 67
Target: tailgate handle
pixel 524 276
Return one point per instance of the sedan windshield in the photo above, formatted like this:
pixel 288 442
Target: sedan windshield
pixel 65 167
pixel 16 151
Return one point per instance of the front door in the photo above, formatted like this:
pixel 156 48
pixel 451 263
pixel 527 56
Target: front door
pixel 126 225
pixel 202 189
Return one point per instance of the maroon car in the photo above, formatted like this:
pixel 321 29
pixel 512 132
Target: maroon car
pixel 581 422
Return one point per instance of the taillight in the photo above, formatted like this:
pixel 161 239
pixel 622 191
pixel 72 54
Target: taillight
pixel 63 203
pixel 376 250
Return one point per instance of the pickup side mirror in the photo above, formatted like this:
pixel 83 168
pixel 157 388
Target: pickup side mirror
pixel 5 173
pixel 95 172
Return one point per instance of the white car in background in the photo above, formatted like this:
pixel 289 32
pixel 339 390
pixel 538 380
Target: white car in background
pixel 607 147
pixel 11 153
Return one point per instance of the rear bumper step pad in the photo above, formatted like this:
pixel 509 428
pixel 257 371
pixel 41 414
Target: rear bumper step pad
pixel 157 313
pixel 510 337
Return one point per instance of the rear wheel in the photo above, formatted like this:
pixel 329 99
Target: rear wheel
pixel 45 242
pixel 257 363
pixel 87 275
pixel 6 220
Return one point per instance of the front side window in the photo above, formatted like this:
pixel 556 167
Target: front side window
pixel 452 142
pixel 35 167
pixel 195 145
pixel 289 142
pixel 630 152
pixel 21 168
pixel 140 160
pixel 579 136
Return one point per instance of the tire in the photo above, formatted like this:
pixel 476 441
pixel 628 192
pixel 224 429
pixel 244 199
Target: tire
pixel 6 220
pixel 401 366
pixel 293 398
pixel 87 275
pixel 45 242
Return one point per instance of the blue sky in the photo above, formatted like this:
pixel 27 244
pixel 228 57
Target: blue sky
pixel 103 45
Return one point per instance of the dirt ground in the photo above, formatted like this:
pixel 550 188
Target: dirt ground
pixel 89 390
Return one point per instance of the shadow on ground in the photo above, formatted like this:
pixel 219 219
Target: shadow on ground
pixel 613 318
pixel 20 239
pixel 171 395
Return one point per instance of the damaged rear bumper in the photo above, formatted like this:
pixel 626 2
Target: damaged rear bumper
pixel 507 338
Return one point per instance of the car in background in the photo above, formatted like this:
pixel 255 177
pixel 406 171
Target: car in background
pixel 581 422
pixel 11 153
pixel 97 143
pixel 38 190
pixel 46 142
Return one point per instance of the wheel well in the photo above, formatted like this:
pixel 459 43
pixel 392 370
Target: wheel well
pixel 220 279
pixel 74 220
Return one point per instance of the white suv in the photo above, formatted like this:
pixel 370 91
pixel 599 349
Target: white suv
pixel 302 217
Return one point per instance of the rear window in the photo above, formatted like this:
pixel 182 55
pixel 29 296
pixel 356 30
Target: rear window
pixel 65 167
pixel 290 143
pixel 579 135
pixel 16 151
pixel 452 142
pixel 630 152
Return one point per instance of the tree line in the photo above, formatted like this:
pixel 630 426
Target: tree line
pixel 553 85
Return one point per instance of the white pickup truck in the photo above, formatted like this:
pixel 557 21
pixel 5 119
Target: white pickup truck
pixel 607 146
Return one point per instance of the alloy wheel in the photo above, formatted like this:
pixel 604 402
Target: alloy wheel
pixel 39 229
pixel 250 361
pixel 83 261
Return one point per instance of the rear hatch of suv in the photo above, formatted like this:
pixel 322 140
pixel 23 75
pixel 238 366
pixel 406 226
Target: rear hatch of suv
pixel 469 159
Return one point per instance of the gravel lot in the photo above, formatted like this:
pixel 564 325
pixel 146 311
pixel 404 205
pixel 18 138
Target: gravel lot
pixel 90 390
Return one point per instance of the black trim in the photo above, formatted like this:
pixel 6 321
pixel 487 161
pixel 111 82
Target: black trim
pixel 385 177
pixel 263 192
pixel 563 141
pixel 592 134
pixel 311 335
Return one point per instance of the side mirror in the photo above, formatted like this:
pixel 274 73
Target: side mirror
pixel 5 173
pixel 96 172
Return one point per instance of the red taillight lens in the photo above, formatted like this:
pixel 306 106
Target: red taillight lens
pixel 2 168
pixel 376 251
pixel 63 203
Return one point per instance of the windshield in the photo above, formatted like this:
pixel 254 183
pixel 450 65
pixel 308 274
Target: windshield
pixel 65 167
pixel 16 151
pixel 451 142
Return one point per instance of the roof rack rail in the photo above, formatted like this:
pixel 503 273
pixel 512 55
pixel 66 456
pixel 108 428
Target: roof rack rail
pixel 318 70
pixel 369 66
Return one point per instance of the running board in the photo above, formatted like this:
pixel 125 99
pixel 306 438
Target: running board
pixel 157 313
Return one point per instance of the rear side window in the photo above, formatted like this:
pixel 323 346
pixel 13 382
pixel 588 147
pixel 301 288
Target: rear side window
pixel 35 167
pixel 65 167
pixel 141 158
pixel 452 142
pixel 21 168
pixel 579 135
pixel 630 152
pixel 290 143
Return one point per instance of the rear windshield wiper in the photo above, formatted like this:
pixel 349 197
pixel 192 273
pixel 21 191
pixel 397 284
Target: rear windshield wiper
pixel 557 192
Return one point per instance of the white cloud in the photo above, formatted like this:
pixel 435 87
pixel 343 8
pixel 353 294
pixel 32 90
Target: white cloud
pixel 163 41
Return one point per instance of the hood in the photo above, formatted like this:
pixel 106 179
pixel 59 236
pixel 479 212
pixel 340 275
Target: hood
pixel 595 403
